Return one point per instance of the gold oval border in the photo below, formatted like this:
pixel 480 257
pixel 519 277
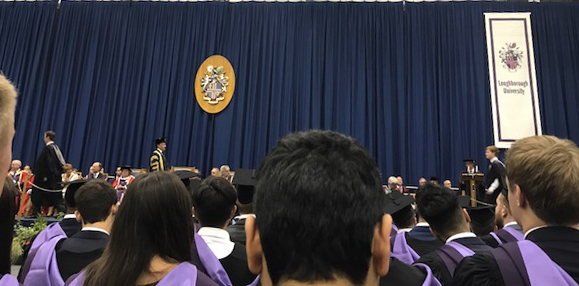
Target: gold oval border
pixel 215 60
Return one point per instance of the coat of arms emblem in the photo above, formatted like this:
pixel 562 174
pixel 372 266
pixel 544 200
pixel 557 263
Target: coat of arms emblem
pixel 214 84
pixel 511 57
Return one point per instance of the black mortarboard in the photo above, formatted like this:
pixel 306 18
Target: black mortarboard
pixel 125 167
pixel 71 191
pixel 244 181
pixel 469 160
pixel 186 176
pixel 482 219
pixel 396 201
pixel 434 179
pixel 160 140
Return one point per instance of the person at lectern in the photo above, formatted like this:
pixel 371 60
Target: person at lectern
pixel 158 161
pixel 494 180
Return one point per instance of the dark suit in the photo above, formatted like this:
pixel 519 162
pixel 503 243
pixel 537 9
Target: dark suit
pixel 97 176
pixel 421 240
pixel 561 244
pixel 237 231
pixel 70 226
pixel 235 264
pixel 402 274
pixel 496 172
pixel 437 265
pixel 75 253
pixel 48 175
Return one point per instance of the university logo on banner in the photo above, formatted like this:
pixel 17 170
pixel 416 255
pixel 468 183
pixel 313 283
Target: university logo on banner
pixel 214 84
pixel 513 82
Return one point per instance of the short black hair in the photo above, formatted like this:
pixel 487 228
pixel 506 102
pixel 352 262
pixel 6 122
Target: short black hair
pixel 439 207
pixel 50 134
pixel 404 218
pixel 318 199
pixel 94 200
pixel 213 201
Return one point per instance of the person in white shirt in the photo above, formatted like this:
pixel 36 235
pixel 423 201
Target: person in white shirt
pixel 214 207
pixel 68 176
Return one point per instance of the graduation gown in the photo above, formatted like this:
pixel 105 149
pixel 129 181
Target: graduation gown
pixel 158 161
pixel 48 167
pixel 496 171
pixel 80 250
pixel 422 241
pixel 237 231
pixel 235 264
pixel 437 265
pixel 561 244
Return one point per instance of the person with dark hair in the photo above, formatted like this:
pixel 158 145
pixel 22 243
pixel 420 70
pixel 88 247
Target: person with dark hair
pixel 319 216
pixel 96 172
pixel 121 184
pixel 441 209
pixel 150 240
pixel 244 182
pixel 48 169
pixel 158 160
pixel 214 206
pixel 494 180
pixel 543 197
pixel 507 228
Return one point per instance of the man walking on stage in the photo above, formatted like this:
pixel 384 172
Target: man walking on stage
pixel 494 180
pixel 158 161
pixel 47 187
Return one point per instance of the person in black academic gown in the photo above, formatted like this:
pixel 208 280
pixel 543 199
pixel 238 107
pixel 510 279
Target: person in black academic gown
pixel 244 182
pixel 543 197
pixel 97 205
pixel 214 206
pixel 48 176
pixel 440 207
pixel 494 180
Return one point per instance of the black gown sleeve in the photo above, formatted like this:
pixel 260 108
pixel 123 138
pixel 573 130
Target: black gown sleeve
pixel 437 266
pixel 402 274
pixel 480 270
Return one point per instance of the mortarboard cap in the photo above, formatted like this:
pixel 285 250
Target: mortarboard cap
pixel 469 160
pixel 482 219
pixel 160 140
pixel 245 181
pixel 396 201
pixel 71 191
pixel 434 179
pixel 125 167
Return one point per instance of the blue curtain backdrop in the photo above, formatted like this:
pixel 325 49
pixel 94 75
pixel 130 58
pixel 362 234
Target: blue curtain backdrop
pixel 110 77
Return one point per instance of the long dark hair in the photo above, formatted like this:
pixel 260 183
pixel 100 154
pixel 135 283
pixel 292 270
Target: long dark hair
pixel 153 219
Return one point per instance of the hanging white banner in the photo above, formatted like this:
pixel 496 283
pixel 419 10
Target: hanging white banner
pixel 513 82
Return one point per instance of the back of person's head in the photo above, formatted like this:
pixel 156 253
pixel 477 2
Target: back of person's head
pixel 318 201
pixel 95 200
pixel 440 208
pixel 7 107
pixel 50 135
pixel 214 202
pixel 392 181
pixel 545 169
pixel 154 219
pixel 404 218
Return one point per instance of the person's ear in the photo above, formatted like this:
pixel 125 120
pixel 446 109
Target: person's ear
pixel 503 211
pixel 233 212
pixel 520 199
pixel 466 216
pixel 381 245
pixel 78 216
pixel 253 247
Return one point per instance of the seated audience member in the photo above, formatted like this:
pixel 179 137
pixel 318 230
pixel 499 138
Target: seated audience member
pixel 401 185
pixel 96 172
pixel 68 226
pixel 123 182
pixel 447 184
pixel 226 173
pixel 421 182
pixel 15 171
pixel 145 248
pixel 482 219
pixel 403 215
pixel 393 184
pixel 309 229
pixel 215 172
pixel 434 180
pixel 118 172
pixel 96 202
pixel 543 197
pixel 68 176
pixel 441 209
pixel 508 229
pixel 214 206
pixel 244 182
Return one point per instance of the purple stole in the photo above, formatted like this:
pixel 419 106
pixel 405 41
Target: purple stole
pixel 44 268
pixel 48 233
pixel 401 250
pixel 394 230
pixel 506 235
pixel 524 263
pixel 213 266
pixel 430 280
pixel 452 254
pixel 185 274
pixel 9 280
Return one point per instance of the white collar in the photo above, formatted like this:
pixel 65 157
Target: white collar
pixel 404 230
pixel 69 216
pixel 460 235
pixel 90 228
pixel 533 229
pixel 159 150
pixel 218 241
pixel 243 216
pixel 50 143
pixel 423 224
pixel 510 224
pixel 494 159
pixel 126 178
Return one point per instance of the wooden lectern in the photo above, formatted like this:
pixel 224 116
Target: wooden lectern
pixel 471 181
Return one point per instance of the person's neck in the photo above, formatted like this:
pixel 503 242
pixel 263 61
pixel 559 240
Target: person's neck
pixel 49 142
pixel 461 229
pixel 158 268
pixel 104 225
pixel 508 219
